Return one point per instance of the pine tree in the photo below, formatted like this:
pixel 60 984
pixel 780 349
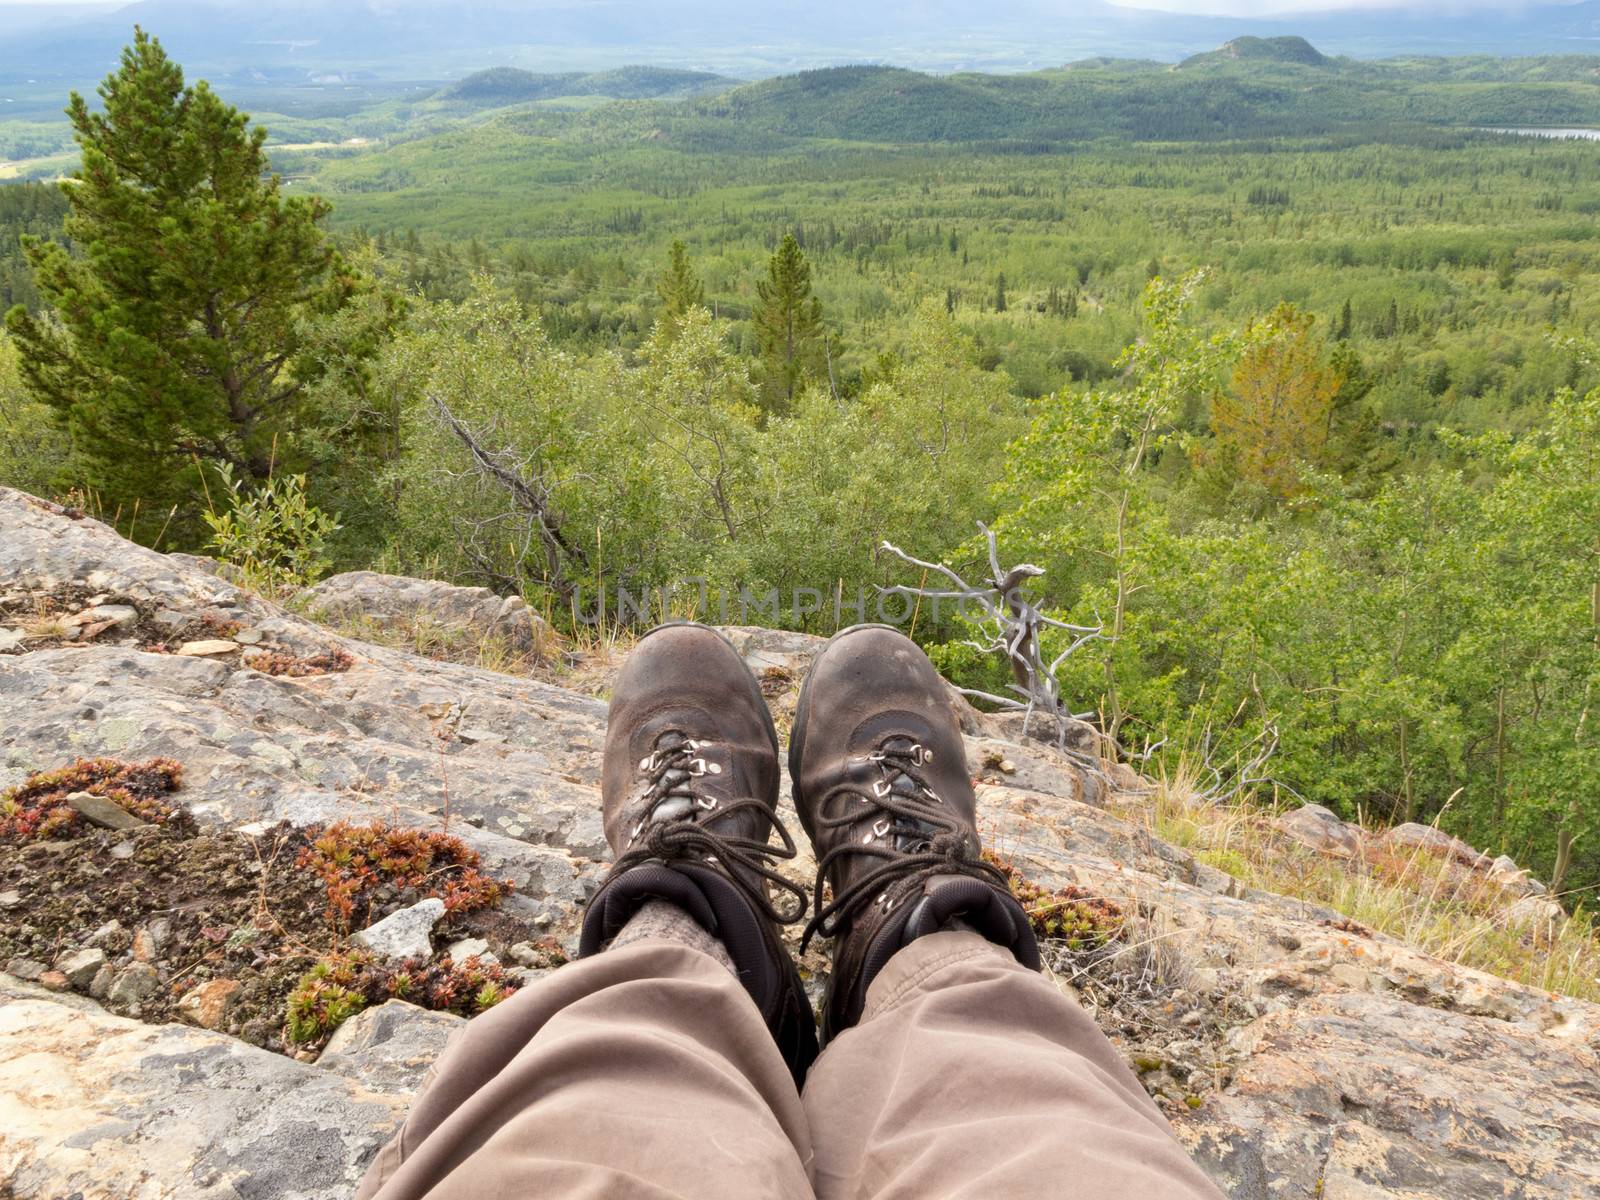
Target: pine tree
pixel 1000 293
pixel 180 337
pixel 788 322
pixel 679 287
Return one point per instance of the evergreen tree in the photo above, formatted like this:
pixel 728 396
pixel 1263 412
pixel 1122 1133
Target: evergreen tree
pixel 1000 293
pixel 184 330
pixel 788 322
pixel 679 287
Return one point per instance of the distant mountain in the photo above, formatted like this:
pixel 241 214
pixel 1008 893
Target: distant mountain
pixel 1255 49
pixel 422 39
pixel 498 86
pixel 1285 88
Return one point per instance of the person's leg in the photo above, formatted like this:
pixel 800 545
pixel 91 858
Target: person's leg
pixel 666 1063
pixel 969 1075
pixel 643 1071
pixel 953 1068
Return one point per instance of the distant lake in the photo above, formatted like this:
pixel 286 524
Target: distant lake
pixel 1588 135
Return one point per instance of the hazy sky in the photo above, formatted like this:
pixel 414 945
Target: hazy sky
pixel 1252 8
pixel 1229 7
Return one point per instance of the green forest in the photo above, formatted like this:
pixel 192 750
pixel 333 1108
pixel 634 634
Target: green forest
pixel 1281 367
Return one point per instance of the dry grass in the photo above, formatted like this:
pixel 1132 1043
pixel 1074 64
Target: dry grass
pixel 1439 907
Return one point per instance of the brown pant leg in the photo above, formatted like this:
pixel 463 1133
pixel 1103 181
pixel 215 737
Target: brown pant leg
pixel 971 1076
pixel 644 1071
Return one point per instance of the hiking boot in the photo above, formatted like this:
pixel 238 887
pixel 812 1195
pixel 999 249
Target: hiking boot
pixel 688 788
pixel 881 786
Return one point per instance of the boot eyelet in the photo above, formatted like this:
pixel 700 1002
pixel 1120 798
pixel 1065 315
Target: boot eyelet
pixel 881 828
pixel 881 788
pixel 706 803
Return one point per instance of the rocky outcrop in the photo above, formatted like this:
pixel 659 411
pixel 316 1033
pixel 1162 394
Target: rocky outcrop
pixel 1298 1054
pixel 390 601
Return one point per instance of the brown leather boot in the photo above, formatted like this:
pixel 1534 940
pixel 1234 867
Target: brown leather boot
pixel 881 786
pixel 689 785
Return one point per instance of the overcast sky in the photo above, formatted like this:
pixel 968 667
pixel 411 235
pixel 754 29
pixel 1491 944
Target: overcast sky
pixel 1255 8
pixel 1221 7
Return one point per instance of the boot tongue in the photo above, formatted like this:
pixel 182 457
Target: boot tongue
pixel 910 834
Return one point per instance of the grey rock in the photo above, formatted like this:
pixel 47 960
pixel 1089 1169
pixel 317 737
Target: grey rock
pixel 100 985
pixel 98 810
pixel 1542 915
pixel 1429 840
pixel 100 936
pixel 134 983
pixel 115 614
pixel 403 934
pixel 81 967
pixel 1321 830
pixel 159 931
pixel 389 1048
pixel 173 1111
pixel 469 947
pixel 11 639
pixel 526 954
pixel 395 600
pixel 10 899
pixel 26 968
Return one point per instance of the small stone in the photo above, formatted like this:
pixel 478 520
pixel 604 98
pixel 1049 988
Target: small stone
pixel 104 615
pixel 122 851
pixel 81 967
pixel 209 1004
pixel 26 968
pixel 248 637
pixel 54 980
pixel 403 934
pixel 470 947
pixel 527 976
pixel 101 983
pixel 254 829
pixel 1320 829
pixel 10 639
pixel 11 899
pixel 133 984
pixel 206 647
pixel 100 936
pixel 526 954
pixel 151 940
pixel 98 810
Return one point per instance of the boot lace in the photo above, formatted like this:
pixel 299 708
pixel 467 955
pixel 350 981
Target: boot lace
pixel 671 829
pixel 915 835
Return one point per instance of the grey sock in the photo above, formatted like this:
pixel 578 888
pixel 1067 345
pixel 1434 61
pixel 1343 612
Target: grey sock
pixel 659 919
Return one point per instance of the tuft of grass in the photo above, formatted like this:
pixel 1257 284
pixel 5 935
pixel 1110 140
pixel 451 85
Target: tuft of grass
pixel 356 861
pixel 1440 907
pixel 38 808
pixel 294 666
pixel 1073 917
pixel 339 986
